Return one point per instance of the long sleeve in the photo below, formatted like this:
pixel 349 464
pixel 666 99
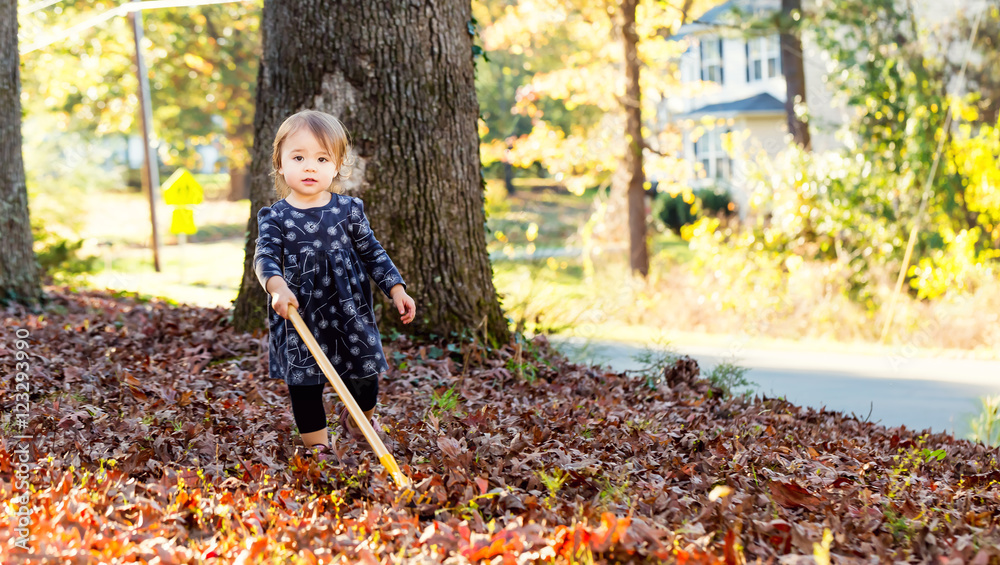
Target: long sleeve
pixel 267 254
pixel 372 254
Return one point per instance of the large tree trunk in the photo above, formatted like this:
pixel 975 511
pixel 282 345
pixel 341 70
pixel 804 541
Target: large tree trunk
pixel 791 67
pixel 634 144
pixel 400 76
pixel 18 271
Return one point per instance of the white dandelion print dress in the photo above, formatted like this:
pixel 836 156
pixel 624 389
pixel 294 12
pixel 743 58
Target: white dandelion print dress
pixel 326 255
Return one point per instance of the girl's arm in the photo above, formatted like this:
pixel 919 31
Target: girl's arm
pixel 267 254
pixel 371 252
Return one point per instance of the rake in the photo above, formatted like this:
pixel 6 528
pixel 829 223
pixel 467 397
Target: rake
pixel 388 461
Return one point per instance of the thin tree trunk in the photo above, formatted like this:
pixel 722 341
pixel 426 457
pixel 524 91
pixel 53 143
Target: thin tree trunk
pixel 638 247
pixel 508 171
pixel 238 180
pixel 18 271
pixel 792 68
pixel 400 76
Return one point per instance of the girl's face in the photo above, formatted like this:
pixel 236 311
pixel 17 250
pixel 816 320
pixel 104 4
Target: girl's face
pixel 306 165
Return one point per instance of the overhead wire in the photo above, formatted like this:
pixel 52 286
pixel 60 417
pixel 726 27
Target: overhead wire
pixel 120 10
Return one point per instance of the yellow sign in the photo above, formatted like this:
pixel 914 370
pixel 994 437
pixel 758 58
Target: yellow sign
pixel 181 189
pixel 183 221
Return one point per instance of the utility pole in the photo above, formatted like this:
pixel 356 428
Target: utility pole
pixel 152 177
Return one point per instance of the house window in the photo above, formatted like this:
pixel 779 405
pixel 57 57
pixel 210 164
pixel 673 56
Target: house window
pixel 711 60
pixel 763 58
pixel 709 152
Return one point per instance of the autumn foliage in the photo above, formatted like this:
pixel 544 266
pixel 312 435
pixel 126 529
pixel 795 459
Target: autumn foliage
pixel 156 439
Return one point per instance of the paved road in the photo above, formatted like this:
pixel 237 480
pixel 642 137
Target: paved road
pixel 920 393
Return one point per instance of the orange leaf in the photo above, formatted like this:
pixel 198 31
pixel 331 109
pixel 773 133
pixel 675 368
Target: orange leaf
pixel 609 533
pixel 257 546
pixel 495 548
pixel 730 550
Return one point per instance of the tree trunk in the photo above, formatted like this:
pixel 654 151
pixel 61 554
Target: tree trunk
pixel 638 248
pixel 792 68
pixel 238 180
pixel 400 76
pixel 508 171
pixel 18 271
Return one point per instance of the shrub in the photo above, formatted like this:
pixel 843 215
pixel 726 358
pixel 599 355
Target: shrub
pixel 58 258
pixel 677 211
pixel 986 425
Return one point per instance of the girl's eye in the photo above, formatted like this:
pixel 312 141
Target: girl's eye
pixel 297 157
pixel 322 158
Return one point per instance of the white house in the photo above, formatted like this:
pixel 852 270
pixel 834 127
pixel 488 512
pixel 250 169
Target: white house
pixel 732 83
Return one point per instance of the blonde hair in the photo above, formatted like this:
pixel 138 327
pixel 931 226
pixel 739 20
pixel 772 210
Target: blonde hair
pixel 330 133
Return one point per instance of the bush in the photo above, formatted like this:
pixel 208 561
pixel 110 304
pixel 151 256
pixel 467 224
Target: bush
pixel 674 211
pixel 59 259
pixel 677 211
pixel 728 376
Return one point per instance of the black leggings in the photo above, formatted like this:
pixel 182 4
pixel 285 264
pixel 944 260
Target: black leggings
pixel 307 401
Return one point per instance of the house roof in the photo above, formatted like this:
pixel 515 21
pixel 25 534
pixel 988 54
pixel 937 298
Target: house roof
pixel 722 15
pixel 713 16
pixel 762 103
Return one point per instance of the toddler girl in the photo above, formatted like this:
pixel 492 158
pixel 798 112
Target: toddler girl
pixel 316 251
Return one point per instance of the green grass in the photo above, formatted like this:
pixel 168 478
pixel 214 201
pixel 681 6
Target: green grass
pixel 556 215
pixel 671 247
pixel 444 403
pixel 207 274
pixel 206 271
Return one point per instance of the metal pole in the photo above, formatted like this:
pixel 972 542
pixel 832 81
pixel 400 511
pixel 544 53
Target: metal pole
pixel 152 176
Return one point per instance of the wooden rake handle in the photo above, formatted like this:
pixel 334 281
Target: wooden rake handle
pixel 388 461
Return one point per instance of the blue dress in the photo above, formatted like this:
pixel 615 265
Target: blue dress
pixel 325 255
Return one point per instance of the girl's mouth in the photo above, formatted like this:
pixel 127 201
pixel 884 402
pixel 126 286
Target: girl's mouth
pixel 308 180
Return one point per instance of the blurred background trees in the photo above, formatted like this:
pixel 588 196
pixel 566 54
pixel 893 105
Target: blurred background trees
pixel 202 62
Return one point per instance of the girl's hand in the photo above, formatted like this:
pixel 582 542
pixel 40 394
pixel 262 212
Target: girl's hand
pixel 281 298
pixel 403 303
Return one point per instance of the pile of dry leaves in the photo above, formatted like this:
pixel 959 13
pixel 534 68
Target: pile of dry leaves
pixel 155 436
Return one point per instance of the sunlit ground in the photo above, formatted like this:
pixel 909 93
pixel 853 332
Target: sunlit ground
pixel 205 271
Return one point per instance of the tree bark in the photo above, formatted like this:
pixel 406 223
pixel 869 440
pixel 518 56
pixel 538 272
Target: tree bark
pixel 238 189
pixel 508 171
pixel 634 144
pixel 400 76
pixel 792 68
pixel 19 279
